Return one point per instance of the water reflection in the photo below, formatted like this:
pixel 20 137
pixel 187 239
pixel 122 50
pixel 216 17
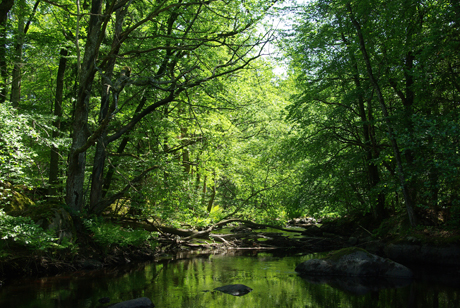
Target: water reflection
pixel 188 282
pixel 359 285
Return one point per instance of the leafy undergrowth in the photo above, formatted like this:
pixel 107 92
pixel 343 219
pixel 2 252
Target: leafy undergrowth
pixel 27 249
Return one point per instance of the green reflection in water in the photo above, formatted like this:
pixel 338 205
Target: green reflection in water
pixel 190 283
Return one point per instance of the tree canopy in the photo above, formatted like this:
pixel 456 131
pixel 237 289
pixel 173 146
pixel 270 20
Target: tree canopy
pixel 378 105
pixel 169 111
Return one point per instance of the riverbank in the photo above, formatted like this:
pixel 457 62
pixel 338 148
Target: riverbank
pixel 390 239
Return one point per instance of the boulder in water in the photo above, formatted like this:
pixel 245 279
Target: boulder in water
pixel 235 289
pixel 141 302
pixel 353 262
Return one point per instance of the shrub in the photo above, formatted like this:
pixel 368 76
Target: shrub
pixel 107 234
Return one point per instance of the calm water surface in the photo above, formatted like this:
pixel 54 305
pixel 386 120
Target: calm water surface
pixel 189 282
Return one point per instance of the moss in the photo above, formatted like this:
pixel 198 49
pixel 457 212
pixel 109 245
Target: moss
pixel 337 254
pixel 42 212
pixel 14 200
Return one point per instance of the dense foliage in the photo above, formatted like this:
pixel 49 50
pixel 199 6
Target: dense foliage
pixel 168 112
pixel 377 112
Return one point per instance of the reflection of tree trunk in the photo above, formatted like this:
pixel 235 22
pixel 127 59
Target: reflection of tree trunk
pixel 397 153
pixel 435 303
pixel 5 7
pixel 412 300
pixel 54 155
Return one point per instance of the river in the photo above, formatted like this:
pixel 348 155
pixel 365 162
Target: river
pixel 188 281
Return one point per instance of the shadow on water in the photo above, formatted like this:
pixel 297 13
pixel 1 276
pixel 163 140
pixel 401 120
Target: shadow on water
pixel 190 281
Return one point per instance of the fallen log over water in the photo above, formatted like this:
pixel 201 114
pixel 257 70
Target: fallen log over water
pixel 244 235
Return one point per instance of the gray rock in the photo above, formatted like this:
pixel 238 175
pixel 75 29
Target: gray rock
pixel 141 302
pixel 353 262
pixel 235 289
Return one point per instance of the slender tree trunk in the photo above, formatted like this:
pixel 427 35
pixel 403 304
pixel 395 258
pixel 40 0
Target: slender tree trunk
pixel 213 194
pixel 402 179
pixel 372 170
pixel 54 155
pixel 77 157
pixel 121 148
pixel 17 66
pixel 185 151
pixel 5 7
pixel 100 155
pixel 18 51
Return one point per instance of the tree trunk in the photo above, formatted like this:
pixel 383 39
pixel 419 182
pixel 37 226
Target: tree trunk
pixel 213 194
pixel 77 157
pixel 16 75
pixel 54 155
pixel 100 155
pixel 121 148
pixel 5 7
pixel 97 175
pixel 372 170
pixel 402 179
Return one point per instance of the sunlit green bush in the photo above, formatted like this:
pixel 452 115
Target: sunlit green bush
pixel 107 234
pixel 24 231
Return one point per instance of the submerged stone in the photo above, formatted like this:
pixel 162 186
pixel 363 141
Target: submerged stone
pixel 141 302
pixel 353 262
pixel 235 289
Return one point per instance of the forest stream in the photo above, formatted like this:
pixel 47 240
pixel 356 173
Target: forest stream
pixel 189 279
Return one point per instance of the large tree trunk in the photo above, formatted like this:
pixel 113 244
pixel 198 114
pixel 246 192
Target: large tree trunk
pixel 77 157
pixel 97 176
pixel 54 155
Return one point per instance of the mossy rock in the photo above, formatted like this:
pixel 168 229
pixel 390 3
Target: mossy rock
pixel 337 254
pixel 53 216
pixel 14 200
pixel 353 261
